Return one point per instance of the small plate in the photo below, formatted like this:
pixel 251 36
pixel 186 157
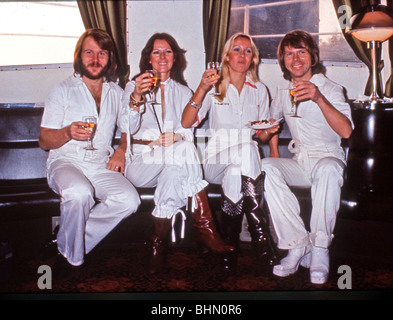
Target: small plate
pixel 260 126
pixel 263 126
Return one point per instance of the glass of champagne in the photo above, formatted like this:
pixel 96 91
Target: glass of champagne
pixel 216 66
pixel 294 103
pixel 92 126
pixel 154 86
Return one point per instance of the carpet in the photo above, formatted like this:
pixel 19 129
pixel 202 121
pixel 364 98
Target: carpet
pixel 120 269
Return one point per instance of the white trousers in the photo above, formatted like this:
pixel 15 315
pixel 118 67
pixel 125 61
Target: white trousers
pixel 325 178
pixel 174 171
pixel 93 202
pixel 227 167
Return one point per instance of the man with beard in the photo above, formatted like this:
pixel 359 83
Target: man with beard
pixel 95 196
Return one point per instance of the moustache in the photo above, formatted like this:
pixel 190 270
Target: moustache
pixel 95 65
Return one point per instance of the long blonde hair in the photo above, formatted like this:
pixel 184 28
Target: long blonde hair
pixel 252 73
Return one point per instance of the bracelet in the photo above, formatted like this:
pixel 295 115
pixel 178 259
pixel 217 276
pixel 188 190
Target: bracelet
pixel 194 105
pixel 137 103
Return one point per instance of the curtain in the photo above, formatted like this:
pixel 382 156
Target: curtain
pixel 110 16
pixel 389 83
pixel 359 47
pixel 216 14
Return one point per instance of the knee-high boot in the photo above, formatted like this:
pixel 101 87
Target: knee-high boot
pixel 262 242
pixel 159 244
pixel 232 217
pixel 207 232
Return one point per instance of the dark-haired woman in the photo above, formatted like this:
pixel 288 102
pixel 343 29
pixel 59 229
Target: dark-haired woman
pixel 162 152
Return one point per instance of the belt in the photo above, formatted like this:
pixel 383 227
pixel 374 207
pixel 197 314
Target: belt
pixel 143 142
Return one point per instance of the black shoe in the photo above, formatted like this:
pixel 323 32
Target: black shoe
pixel 49 248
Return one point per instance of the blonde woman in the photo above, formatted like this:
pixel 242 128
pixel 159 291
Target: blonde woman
pixel 232 157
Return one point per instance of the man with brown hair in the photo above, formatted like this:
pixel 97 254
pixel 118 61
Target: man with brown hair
pixel 323 118
pixel 95 196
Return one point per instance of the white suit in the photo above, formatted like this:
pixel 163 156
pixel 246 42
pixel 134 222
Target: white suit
pixel 93 199
pixel 318 163
pixel 231 152
pixel 175 171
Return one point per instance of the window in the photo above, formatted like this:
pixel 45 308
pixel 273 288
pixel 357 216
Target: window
pixel 39 32
pixel 267 21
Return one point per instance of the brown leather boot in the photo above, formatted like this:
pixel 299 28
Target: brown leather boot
pixel 206 229
pixel 159 245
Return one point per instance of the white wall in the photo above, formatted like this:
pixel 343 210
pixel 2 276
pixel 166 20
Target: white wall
pixel 180 18
pixel 31 86
pixel 183 20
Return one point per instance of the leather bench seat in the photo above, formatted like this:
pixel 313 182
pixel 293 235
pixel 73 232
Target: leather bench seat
pixel 27 199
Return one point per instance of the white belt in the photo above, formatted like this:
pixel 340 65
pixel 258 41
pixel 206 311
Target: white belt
pixel 305 153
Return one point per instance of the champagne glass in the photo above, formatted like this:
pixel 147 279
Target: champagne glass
pixel 92 126
pixel 154 86
pixel 216 66
pixel 294 102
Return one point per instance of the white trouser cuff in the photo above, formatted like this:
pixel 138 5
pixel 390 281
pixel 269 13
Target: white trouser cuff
pixel 295 244
pixel 321 240
pixel 73 263
pixel 191 189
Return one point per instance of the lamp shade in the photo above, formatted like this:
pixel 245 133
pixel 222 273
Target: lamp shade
pixel 374 25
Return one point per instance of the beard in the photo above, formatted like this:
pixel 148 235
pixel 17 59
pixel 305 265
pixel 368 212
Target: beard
pixel 85 71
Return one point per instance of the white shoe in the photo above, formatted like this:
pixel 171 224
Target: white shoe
pixel 291 262
pixel 319 268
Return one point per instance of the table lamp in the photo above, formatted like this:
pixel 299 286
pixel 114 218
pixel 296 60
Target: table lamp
pixel 374 25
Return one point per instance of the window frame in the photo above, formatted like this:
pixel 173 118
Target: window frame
pixel 67 65
pixel 246 30
pixel 40 66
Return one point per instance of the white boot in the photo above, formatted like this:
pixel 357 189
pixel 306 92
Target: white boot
pixel 319 268
pixel 291 262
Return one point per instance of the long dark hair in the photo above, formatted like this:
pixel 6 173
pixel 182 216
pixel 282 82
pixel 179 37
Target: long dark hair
pixel 105 42
pixel 180 63
pixel 299 39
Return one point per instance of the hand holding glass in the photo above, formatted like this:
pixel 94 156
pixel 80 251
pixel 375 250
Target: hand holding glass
pixel 217 66
pixel 155 78
pixel 295 103
pixel 92 126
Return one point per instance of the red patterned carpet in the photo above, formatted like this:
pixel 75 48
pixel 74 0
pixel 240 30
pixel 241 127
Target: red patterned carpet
pixel 117 266
pixel 120 269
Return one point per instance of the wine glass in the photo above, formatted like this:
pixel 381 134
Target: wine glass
pixel 154 86
pixel 294 102
pixel 217 66
pixel 92 126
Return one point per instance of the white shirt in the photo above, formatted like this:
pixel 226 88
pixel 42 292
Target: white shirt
pixel 144 126
pixel 312 133
pixel 229 120
pixel 69 102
